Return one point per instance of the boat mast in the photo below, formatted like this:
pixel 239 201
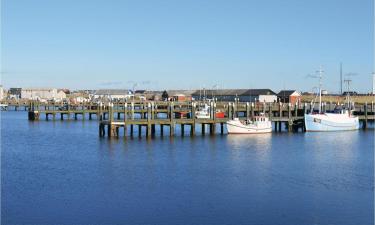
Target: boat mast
pixel 341 78
pixel 320 89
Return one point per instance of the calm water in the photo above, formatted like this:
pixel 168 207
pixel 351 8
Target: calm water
pixel 63 173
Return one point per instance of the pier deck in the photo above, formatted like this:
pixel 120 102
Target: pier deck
pixel 150 114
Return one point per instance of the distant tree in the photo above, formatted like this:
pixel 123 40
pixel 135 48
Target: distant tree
pixel 165 95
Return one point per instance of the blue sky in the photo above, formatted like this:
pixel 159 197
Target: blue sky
pixel 171 44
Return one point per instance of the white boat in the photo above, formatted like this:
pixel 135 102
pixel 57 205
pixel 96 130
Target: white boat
pixel 331 121
pixel 203 113
pixel 342 121
pixel 260 124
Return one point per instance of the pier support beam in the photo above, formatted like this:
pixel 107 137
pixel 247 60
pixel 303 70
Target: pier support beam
pixel 192 129
pixel 131 130
pixel 171 129
pixel 366 116
pixel 101 130
pixel 139 130
pixel 148 132
pixel 153 130
pixel 290 126
pixel 212 129
pixel 182 130
pixel 33 116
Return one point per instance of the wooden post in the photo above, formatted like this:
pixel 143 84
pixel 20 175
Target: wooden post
pixel 110 112
pixel 153 130
pixel 83 111
pixel 252 110
pixel 193 108
pixel 171 129
pixel 101 130
pixel 148 132
pixel 109 130
pixel 295 110
pixel 192 129
pixel 230 111
pixel 171 117
pixel 152 110
pixel 247 110
pixel 132 110
pixel 221 128
pixel 290 125
pixel 289 111
pixel 182 130
pixel 161 130
pixel 203 129
pixel 125 112
pixel 149 120
pixel 212 128
pixel 270 113
pixel 366 116
pixel 139 130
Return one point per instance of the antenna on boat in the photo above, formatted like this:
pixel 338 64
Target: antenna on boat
pixel 348 82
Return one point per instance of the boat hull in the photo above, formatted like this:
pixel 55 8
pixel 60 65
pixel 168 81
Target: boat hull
pixel 235 127
pixel 331 122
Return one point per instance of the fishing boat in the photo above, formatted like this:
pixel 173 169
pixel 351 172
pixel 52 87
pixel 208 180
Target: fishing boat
pixel 259 124
pixel 343 120
pixel 203 113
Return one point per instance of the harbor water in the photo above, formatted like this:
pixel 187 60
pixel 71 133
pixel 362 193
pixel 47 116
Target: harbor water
pixel 62 172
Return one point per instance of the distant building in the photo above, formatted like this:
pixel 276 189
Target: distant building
pixel 113 94
pixel 289 96
pixel 180 95
pixel 243 95
pixel 42 94
pixel 1 92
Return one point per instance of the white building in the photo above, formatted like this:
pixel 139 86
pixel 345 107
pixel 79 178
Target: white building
pixel 113 94
pixel 42 94
pixel 1 92
pixel 267 98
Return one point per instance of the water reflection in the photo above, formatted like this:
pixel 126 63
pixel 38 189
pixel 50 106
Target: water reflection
pixel 256 146
pixel 252 141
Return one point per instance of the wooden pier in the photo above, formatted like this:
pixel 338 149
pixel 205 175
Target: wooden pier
pixel 115 116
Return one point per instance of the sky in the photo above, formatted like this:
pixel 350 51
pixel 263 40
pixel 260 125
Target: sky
pixel 172 44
